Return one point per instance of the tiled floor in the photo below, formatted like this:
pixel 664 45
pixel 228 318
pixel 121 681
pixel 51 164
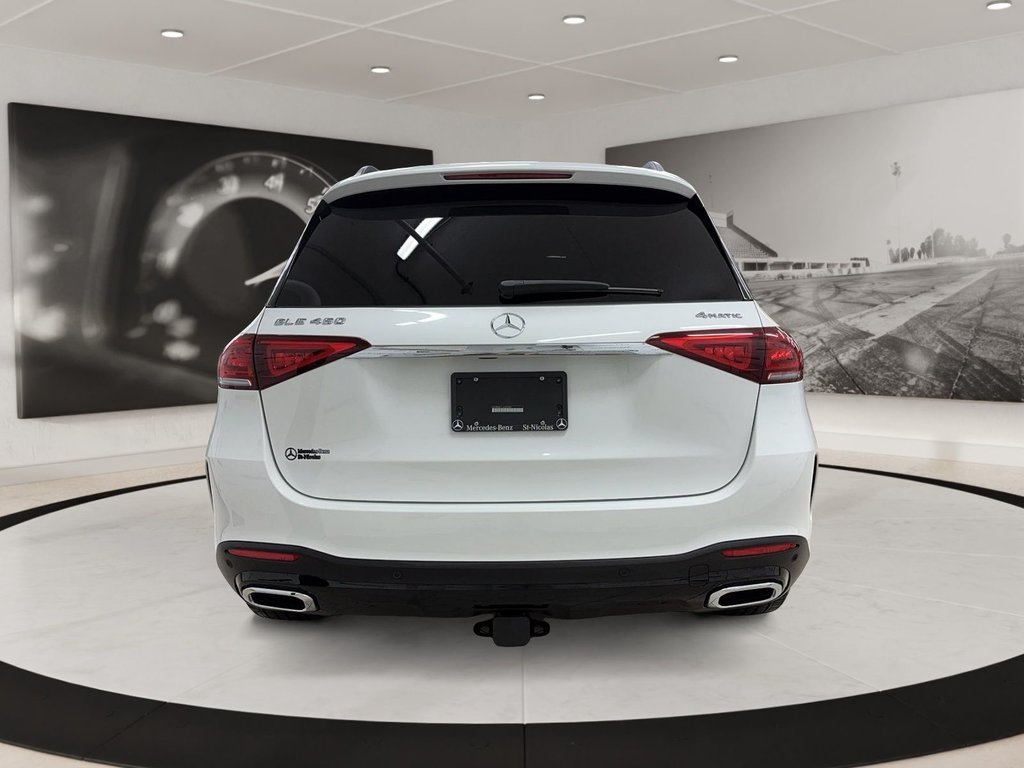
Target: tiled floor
pixel 839 554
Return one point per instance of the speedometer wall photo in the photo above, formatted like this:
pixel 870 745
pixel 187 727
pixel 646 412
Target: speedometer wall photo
pixel 140 247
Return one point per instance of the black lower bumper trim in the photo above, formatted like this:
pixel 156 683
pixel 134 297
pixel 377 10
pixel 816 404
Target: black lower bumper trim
pixel 559 589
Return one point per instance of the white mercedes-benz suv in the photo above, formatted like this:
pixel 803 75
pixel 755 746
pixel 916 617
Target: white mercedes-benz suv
pixel 525 390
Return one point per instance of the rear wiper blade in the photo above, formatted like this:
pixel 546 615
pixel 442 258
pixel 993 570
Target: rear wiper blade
pixel 514 291
pixel 435 255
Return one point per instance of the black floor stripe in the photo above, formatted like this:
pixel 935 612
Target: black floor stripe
pixel 958 711
pixel 55 716
pixel 842 732
pixel 989 493
pixel 176 735
pixel 24 515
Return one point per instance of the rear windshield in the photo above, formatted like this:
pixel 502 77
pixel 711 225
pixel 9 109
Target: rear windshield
pixel 362 252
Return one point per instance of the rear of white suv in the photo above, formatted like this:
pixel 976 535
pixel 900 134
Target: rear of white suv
pixel 528 390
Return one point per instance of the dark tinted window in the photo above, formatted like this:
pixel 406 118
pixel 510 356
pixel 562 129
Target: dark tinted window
pixel 359 254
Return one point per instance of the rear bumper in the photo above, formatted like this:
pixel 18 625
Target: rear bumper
pixel 566 590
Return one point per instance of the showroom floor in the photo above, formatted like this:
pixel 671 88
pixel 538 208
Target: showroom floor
pixel 894 566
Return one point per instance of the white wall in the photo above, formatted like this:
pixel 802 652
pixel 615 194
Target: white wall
pixel 915 427
pixel 954 430
pixel 70 81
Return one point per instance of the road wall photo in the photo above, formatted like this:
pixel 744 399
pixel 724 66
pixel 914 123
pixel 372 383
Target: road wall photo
pixel 889 242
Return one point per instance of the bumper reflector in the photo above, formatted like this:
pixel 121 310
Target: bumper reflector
pixel 263 554
pixel 762 549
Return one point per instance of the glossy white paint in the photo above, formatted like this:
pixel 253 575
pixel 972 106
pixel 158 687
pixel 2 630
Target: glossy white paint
pixel 663 455
pixel 581 173
pixel 642 423
pixel 769 497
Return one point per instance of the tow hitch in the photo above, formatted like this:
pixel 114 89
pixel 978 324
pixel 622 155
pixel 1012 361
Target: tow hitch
pixel 512 629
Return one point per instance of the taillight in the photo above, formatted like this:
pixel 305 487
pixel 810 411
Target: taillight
pixel 235 367
pixel 739 352
pixel 761 549
pixel 764 355
pixel 783 359
pixel 258 362
pixel 281 357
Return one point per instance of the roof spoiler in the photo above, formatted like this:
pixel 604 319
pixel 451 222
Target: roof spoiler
pixel 650 165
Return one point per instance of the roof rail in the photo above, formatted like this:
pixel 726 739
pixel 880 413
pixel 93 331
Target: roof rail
pixel 653 165
pixel 366 169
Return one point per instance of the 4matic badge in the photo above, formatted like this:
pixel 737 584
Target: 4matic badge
pixel 719 315
pixel 307 454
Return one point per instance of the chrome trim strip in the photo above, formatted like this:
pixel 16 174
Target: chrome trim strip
pixel 714 599
pixel 309 604
pixel 513 350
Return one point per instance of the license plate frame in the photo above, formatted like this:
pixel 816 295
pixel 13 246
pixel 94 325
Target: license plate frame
pixel 505 402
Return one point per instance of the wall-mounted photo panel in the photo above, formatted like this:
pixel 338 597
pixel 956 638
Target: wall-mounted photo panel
pixel 142 246
pixel 890 242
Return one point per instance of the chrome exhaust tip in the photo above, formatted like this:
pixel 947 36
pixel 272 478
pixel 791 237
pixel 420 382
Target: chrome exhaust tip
pixel 279 599
pixel 744 595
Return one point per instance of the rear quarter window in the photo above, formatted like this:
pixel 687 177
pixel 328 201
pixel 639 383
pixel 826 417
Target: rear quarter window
pixel 361 254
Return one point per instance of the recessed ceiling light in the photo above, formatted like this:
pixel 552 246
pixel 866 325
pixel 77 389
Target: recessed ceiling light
pixel 173 34
pixel 536 97
pixel 574 19
pixel 999 5
pixel 380 70
pixel 729 58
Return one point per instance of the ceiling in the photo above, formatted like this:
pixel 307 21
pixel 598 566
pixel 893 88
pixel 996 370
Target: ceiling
pixel 486 56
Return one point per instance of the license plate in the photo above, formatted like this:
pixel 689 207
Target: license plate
pixel 509 402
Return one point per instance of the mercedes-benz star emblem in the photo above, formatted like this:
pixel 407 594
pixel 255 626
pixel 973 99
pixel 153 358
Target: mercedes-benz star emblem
pixel 458 426
pixel 508 325
pixel 561 424
pixel 291 454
